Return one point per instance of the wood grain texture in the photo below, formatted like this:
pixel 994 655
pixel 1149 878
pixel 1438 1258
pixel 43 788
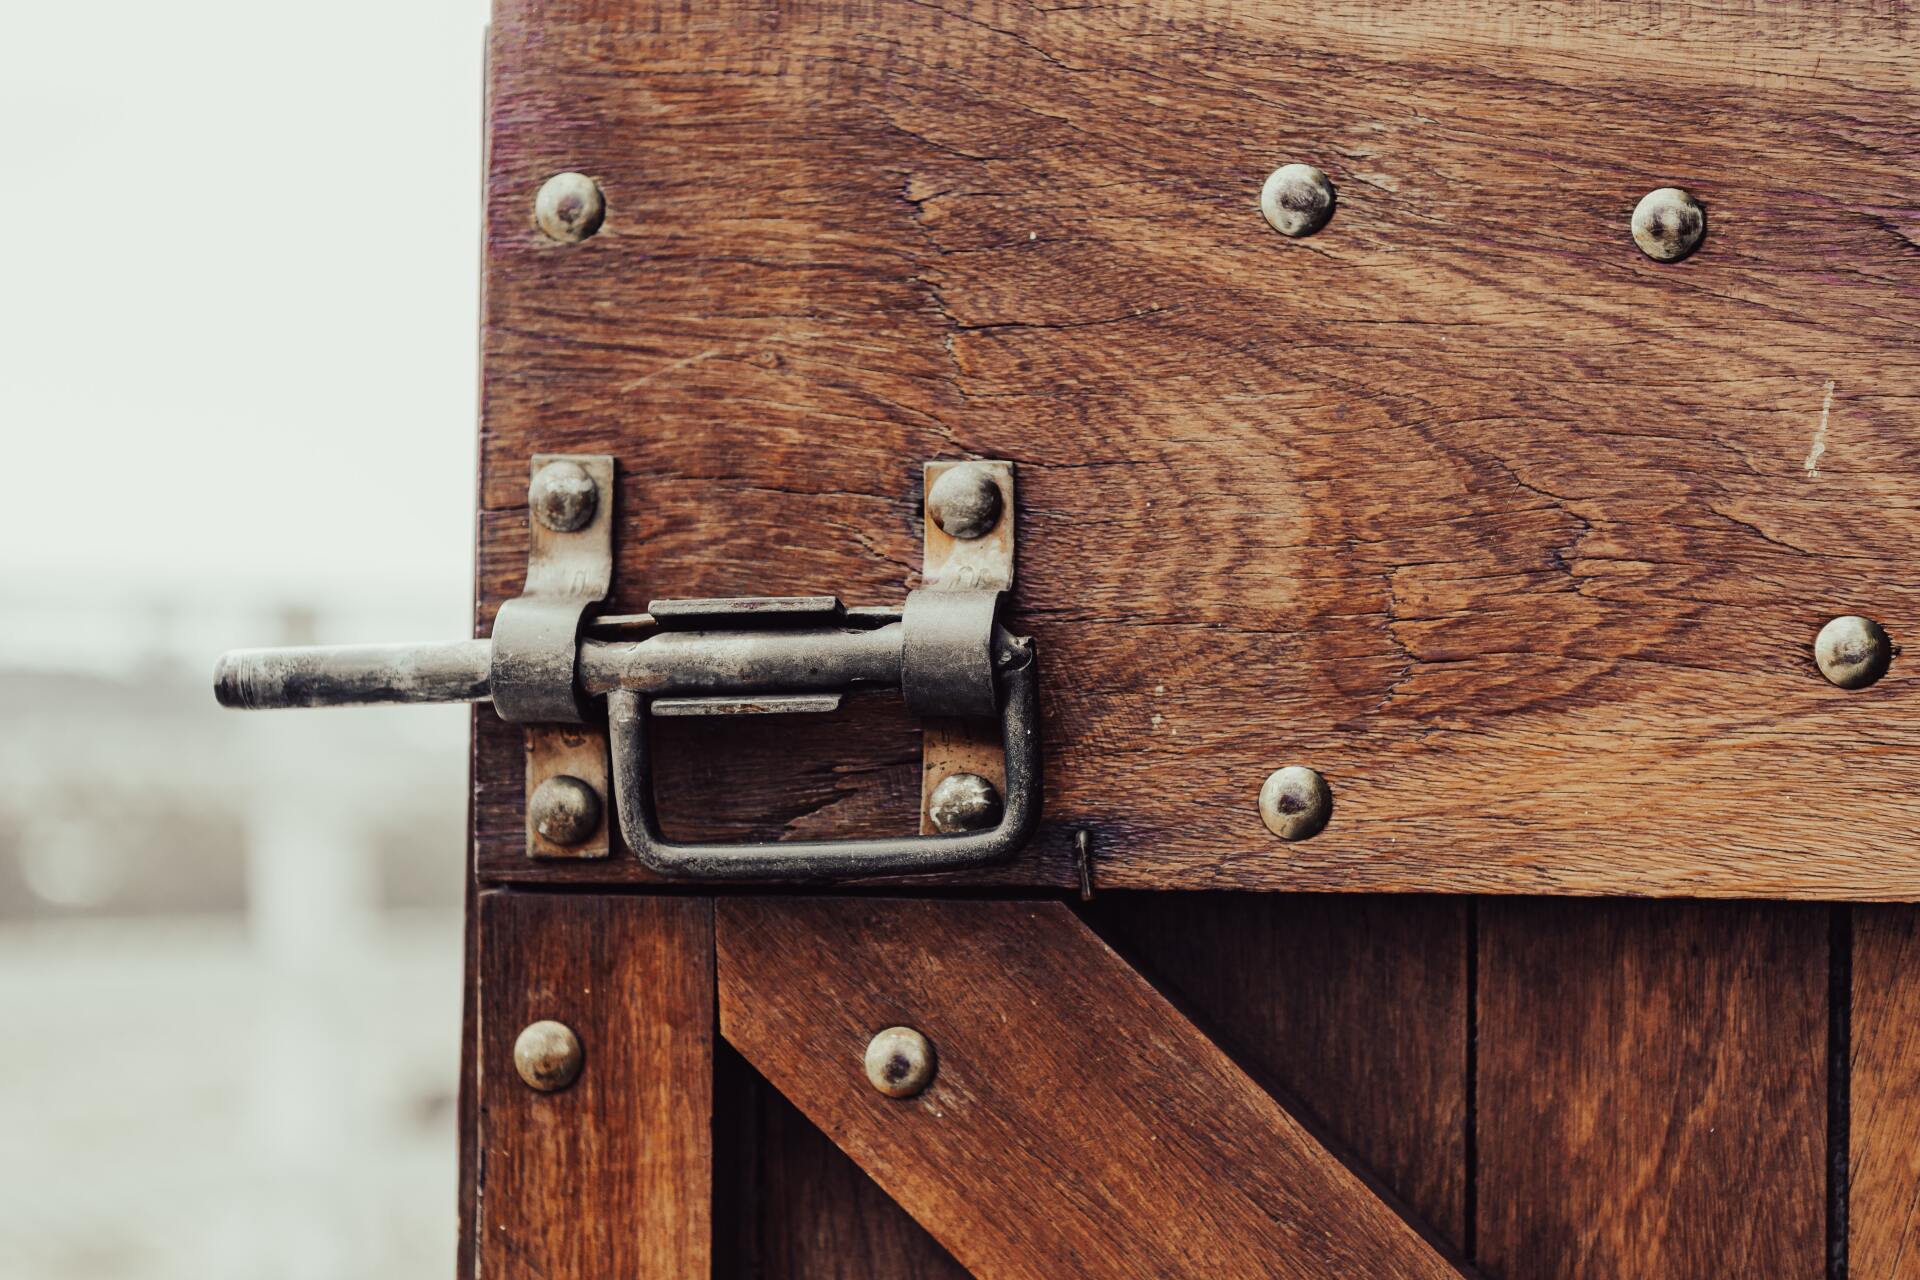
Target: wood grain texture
pixel 1077 1124
pixel 1356 1009
pixel 791 1206
pixel 833 1222
pixel 1652 1090
pixel 1884 1199
pixel 1519 537
pixel 612 1176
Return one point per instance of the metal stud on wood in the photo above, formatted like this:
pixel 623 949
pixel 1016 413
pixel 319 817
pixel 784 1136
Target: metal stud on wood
pixel 963 802
pixel 965 502
pixel 900 1062
pixel 569 208
pixel 1852 651
pixel 1668 224
pixel 548 1056
pixel 564 810
pixel 1295 802
pixel 1297 200
pixel 563 496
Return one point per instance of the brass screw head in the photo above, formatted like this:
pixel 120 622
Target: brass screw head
pixel 965 502
pixel 900 1062
pixel 569 208
pixel 563 497
pixel 1296 200
pixel 1295 802
pixel 963 802
pixel 1853 651
pixel 564 810
pixel 1668 224
pixel 547 1056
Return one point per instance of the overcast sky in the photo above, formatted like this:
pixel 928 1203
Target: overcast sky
pixel 237 309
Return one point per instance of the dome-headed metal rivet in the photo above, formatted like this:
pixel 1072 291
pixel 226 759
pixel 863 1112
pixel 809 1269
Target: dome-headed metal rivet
pixel 1295 802
pixel 1296 200
pixel 1668 224
pixel 963 802
pixel 900 1062
pixel 965 502
pixel 569 208
pixel 547 1056
pixel 564 810
pixel 563 497
pixel 1853 651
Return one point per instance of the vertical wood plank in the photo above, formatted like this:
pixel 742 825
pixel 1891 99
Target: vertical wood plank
pixel 1652 1090
pixel 613 1175
pixel 1355 1008
pixel 1884 1197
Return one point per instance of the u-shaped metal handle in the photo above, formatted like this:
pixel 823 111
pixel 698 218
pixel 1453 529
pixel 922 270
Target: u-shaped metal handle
pixel 836 859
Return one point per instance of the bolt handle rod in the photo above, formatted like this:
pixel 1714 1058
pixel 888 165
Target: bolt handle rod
pixel 355 675
pixel 938 651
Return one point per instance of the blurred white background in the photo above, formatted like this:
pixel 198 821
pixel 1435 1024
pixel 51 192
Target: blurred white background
pixel 237 372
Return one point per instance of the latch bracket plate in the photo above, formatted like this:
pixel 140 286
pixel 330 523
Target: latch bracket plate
pixel 948 747
pixel 536 640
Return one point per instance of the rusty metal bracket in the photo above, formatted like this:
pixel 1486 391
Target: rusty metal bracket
pixel 961 748
pixel 536 639
pixel 568 751
pixel 536 635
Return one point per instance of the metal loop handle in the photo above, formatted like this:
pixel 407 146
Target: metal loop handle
pixel 823 859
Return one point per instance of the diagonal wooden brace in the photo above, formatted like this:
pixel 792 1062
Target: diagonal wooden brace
pixel 1076 1125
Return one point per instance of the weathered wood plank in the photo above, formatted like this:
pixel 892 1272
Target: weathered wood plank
pixel 1355 1008
pixel 1883 1204
pixel 1652 1090
pixel 613 1175
pixel 1519 537
pixel 1077 1125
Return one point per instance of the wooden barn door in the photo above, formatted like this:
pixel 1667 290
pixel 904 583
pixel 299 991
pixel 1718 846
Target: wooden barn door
pixel 1517 534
